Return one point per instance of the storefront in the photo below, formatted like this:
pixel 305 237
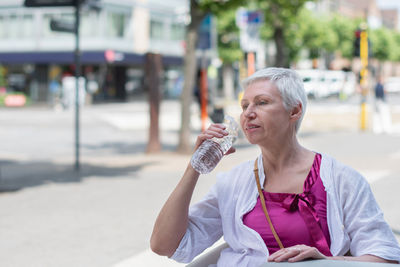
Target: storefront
pixel 109 75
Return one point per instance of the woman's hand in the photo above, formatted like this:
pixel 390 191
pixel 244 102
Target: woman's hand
pixel 296 253
pixel 215 130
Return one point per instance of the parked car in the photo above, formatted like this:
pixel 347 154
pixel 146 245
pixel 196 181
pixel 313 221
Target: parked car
pixel 392 84
pixel 313 82
pixel 325 83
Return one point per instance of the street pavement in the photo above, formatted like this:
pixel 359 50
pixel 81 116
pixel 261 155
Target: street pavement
pixel 51 215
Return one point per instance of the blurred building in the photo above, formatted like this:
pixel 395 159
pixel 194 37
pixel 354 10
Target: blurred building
pixel 390 18
pixel 367 9
pixel 115 37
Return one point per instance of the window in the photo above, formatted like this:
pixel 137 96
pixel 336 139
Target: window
pixel 156 30
pixel 116 24
pixel 26 28
pixel 89 24
pixel 2 27
pixel 12 26
pixel 46 31
pixel 177 32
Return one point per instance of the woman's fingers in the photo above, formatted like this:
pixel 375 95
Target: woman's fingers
pixel 309 253
pixel 215 130
pixel 296 253
pixel 284 254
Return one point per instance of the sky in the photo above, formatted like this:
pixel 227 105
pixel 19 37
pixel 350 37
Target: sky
pixel 389 3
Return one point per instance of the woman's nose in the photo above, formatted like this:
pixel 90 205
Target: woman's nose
pixel 249 112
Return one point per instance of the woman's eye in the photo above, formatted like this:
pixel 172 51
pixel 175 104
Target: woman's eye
pixel 244 106
pixel 262 102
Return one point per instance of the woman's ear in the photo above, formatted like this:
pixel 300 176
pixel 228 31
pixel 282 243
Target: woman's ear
pixel 296 112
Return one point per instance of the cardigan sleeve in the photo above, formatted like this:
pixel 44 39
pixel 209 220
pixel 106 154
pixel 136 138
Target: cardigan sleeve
pixel 363 219
pixel 204 228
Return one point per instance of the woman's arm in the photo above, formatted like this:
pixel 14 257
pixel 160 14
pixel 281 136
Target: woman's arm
pixel 366 258
pixel 303 252
pixel 172 221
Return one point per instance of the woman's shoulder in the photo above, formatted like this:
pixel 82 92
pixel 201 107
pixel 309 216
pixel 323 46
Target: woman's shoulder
pixel 334 171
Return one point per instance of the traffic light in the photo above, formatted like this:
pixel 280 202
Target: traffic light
pixel 361 40
pixel 356 44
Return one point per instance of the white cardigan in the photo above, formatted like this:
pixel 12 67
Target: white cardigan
pixel 355 221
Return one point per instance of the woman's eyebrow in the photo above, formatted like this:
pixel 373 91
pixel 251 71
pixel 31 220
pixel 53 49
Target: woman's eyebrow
pixel 262 96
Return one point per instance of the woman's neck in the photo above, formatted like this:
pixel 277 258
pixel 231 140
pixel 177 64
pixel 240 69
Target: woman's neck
pixel 283 154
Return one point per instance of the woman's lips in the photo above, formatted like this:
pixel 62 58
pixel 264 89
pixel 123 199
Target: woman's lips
pixel 251 127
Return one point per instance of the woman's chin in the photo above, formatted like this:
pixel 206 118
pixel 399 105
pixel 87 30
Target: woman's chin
pixel 252 141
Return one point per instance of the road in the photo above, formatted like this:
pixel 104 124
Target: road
pixel 103 215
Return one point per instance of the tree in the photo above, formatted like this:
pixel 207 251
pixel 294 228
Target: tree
pixel 281 15
pixel 344 29
pixel 316 35
pixel 383 47
pixel 228 49
pixel 396 52
pixel 198 10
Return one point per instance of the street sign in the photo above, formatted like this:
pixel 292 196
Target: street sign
pixel 50 3
pixel 249 23
pixel 205 34
pixel 245 17
pixel 62 26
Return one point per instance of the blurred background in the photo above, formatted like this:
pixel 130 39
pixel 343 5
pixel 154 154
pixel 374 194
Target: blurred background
pixel 101 102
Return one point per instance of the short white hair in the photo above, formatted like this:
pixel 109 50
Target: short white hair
pixel 289 85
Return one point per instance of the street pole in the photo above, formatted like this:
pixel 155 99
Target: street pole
pixel 251 62
pixel 363 77
pixel 203 93
pixel 77 75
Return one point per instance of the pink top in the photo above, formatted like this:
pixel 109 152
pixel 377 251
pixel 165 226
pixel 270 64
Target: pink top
pixel 297 218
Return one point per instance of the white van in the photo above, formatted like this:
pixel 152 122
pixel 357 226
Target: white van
pixel 314 83
pixel 392 84
pixel 325 83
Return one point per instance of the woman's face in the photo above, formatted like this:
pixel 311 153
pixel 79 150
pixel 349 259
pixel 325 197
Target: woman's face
pixel 264 118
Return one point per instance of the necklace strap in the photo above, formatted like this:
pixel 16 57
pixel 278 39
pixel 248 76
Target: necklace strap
pixel 262 199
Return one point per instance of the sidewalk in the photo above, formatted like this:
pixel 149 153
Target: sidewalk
pixel 103 216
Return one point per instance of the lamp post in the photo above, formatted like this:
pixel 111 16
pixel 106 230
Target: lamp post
pixel 72 28
pixel 77 75
pixel 363 77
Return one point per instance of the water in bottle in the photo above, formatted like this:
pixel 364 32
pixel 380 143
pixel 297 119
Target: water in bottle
pixel 210 152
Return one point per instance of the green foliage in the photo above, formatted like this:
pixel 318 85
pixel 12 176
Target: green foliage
pixel 312 33
pixel 217 7
pixel 281 13
pixel 3 81
pixel 228 37
pixel 293 37
pixel 302 30
pixel 283 16
pixel 383 44
pixel 344 29
pixel 396 52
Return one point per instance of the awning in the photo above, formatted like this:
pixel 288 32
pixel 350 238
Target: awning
pixel 87 57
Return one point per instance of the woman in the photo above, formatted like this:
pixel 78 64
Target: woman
pixel 316 207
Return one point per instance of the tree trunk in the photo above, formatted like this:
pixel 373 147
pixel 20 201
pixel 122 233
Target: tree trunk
pixel 228 78
pixel 282 57
pixel 190 67
pixel 153 67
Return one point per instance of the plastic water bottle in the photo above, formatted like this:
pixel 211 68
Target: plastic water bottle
pixel 211 151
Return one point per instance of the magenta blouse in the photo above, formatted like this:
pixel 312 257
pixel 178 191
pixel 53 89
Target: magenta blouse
pixel 297 218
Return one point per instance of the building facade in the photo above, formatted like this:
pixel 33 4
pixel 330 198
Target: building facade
pixel 114 39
